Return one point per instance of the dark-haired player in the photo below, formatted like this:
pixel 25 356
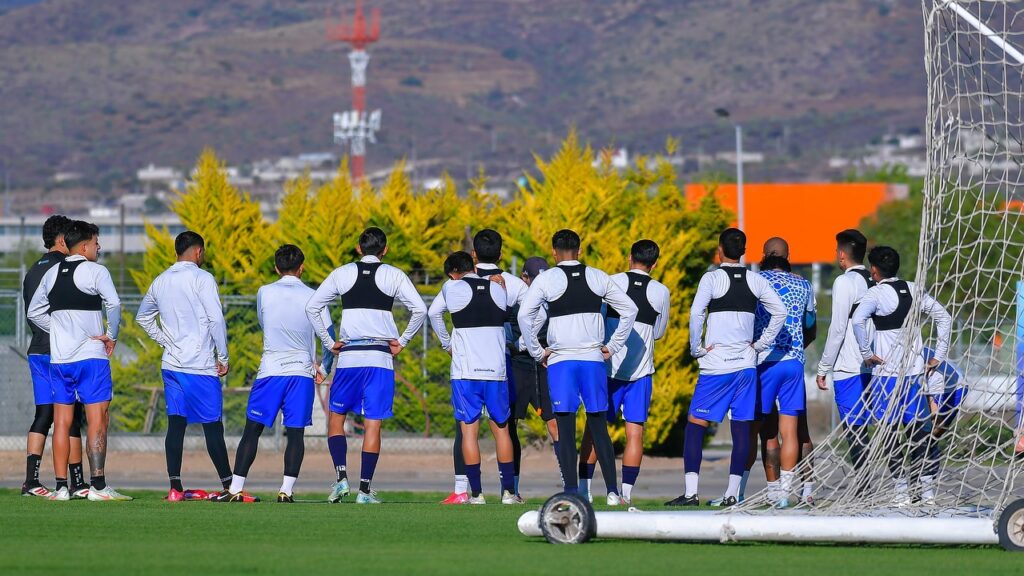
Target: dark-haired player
pixel 182 313
pixel 575 295
pixel 727 353
pixel 888 304
pixel 368 341
pixel 70 304
pixel 287 375
pixel 39 366
pixel 477 346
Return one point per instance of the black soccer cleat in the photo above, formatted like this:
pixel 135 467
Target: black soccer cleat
pixel 684 500
pixel 724 502
pixel 241 497
pixel 282 497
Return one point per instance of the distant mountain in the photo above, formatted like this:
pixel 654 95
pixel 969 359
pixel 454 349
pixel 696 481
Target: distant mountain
pixel 105 87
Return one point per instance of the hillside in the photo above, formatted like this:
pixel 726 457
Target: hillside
pixel 101 87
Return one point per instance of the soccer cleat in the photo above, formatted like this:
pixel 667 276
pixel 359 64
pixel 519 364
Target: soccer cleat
pixel 456 498
pixel 806 500
pixel 338 491
pixel 175 495
pixel 80 493
pixel 108 494
pixel 239 498
pixel 197 494
pixel 781 503
pixel 367 498
pixel 723 502
pixel 38 490
pixel 901 499
pixel 627 502
pixel 477 500
pixel 62 494
pixel 510 498
pixel 282 497
pixel 589 496
pixel 684 500
pixel 614 499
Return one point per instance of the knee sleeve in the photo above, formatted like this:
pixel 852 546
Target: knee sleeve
pixel 77 421
pixel 44 420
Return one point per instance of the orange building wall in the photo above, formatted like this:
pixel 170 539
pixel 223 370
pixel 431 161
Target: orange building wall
pixel 807 215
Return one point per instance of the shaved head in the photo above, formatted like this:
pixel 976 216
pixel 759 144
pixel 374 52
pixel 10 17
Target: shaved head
pixel 776 247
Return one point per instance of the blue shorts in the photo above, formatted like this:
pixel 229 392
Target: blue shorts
pixel 912 403
pixel 292 395
pixel 367 389
pixel 87 381
pixel 631 399
pixel 782 381
pixel 39 367
pixel 850 399
pixel 569 381
pixel 949 406
pixel 197 397
pixel 717 394
pixel 470 396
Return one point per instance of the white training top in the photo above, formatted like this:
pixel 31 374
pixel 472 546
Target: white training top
pixel 367 325
pixel 72 331
pixel 574 336
pixel 730 334
pixel 515 288
pixel 636 359
pixel 289 341
pixel 888 344
pixel 478 353
pixel 842 353
pixel 182 313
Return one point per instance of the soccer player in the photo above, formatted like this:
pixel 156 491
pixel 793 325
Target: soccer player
pixel 69 305
pixel 368 341
pixel 630 370
pixel 841 355
pixel 727 353
pixel 531 377
pixel 576 351
pixel 288 372
pixel 945 393
pixel 477 346
pixel 39 366
pixel 888 304
pixel 182 313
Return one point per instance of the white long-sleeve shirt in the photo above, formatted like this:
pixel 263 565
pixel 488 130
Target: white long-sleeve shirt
pixel 636 359
pixel 841 354
pixel 478 353
pixel 182 313
pixel 72 331
pixel 730 334
pixel 882 300
pixel 289 341
pixel 574 336
pixel 367 325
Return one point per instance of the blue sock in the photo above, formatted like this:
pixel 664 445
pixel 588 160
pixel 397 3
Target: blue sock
pixel 693 447
pixel 517 484
pixel 507 473
pixel 590 470
pixel 740 447
pixel 338 446
pixel 630 474
pixel 473 473
pixel 366 470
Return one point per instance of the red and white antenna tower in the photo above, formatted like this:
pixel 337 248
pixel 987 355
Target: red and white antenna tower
pixel 356 127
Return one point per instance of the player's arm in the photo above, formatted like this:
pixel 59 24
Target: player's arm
pixel 663 307
pixel 616 297
pixel 529 319
pixel 843 295
pixel 209 300
pixel 410 298
pixel 810 319
pixel 316 305
pixel 111 301
pixel 865 309
pixel 698 313
pixel 328 357
pixel 147 316
pixel 944 328
pixel 772 304
pixel 39 306
pixel 436 315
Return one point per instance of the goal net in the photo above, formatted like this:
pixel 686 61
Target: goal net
pixel 958 460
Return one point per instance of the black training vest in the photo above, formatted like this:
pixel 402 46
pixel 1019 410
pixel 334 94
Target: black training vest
pixel 40 343
pixel 738 298
pixel 894 321
pixel 65 295
pixel 578 298
pixel 481 312
pixel 867 278
pixel 364 293
pixel 637 292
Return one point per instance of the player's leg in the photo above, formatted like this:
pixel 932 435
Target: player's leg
pixel 803 433
pixel 546 413
pixel 788 456
pixel 95 390
pixel 513 395
pixel 790 375
pixel 245 455
pixel 61 448
pixel 587 464
pixel 378 398
pixel 174 440
pixel 853 415
pixel 744 397
pixel 467 404
pixel 501 422
pixel 459 493
pixel 39 369
pixel 564 391
pixel 768 436
pixel 710 402
pixel 593 385
pixel 204 399
pixel 924 449
pixel 76 475
pixel 344 397
pixel 296 415
pixel 471 454
pixel 636 404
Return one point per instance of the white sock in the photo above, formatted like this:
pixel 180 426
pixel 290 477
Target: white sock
pixel 743 483
pixel 808 490
pixel 627 491
pixel 585 485
pixel 927 487
pixel 901 486
pixel 691 483
pixel 461 483
pixel 786 483
pixel 734 485
pixel 773 491
pixel 287 484
pixel 237 483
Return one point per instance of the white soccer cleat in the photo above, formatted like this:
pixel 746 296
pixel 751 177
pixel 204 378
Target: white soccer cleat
pixel 614 499
pixel 901 500
pixel 510 498
pixel 81 494
pixel 338 491
pixel 61 495
pixel 367 498
pixel 781 503
pixel 477 500
pixel 108 494
pixel 587 495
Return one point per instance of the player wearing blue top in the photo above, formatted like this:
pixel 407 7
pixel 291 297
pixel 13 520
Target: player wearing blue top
pixel 946 390
pixel 288 373
pixel 727 353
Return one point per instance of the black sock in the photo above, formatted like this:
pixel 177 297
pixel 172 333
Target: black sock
pixel 76 474
pixel 364 486
pixel 597 422
pixel 294 451
pixel 174 443
pixel 99 482
pixel 458 461
pixel 176 483
pixel 246 453
pixel 517 446
pixel 218 450
pixel 567 449
pixel 32 469
pixel 61 483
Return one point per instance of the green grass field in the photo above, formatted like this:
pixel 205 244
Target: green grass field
pixel 410 533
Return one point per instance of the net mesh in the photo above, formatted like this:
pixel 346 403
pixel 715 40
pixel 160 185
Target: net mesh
pixel 958 461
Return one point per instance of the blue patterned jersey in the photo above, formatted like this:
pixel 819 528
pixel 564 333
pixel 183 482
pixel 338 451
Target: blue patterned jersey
pixel 798 297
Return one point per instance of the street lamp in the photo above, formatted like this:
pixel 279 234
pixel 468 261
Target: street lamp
pixel 740 220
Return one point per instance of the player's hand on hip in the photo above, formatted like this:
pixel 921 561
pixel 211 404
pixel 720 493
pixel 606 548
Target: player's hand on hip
pixel 108 343
pixel 873 361
pixel 544 357
pixel 319 377
pixel 498 279
pixel 396 347
pixel 222 368
pixel 336 349
pixel 930 367
pixel 820 381
pixel 605 353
